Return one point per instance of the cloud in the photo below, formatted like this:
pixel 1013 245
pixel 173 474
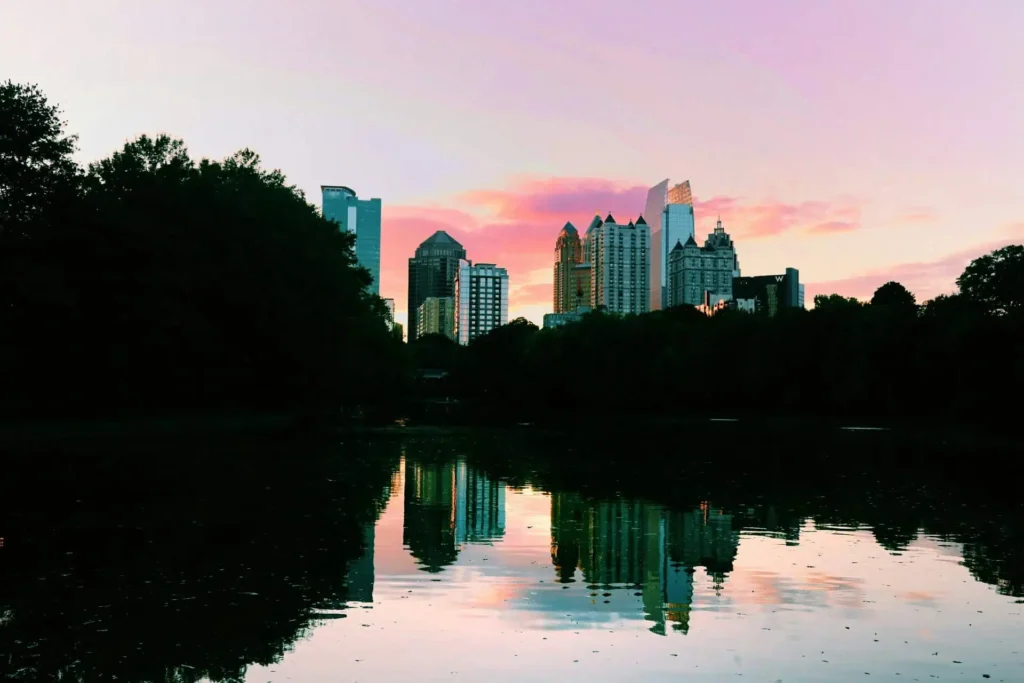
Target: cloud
pixel 917 214
pixel 926 279
pixel 745 220
pixel 516 227
pixel 831 227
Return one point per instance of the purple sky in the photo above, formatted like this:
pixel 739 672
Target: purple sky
pixel 856 140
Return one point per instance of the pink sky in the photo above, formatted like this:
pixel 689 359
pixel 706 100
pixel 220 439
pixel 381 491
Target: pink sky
pixel 856 140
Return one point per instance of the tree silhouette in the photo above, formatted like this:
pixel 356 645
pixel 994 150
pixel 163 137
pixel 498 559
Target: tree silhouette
pixel 895 295
pixel 996 281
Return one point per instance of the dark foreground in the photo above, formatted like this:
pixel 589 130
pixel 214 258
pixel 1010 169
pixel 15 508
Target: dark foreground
pixel 707 551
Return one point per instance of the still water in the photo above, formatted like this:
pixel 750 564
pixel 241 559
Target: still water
pixel 425 561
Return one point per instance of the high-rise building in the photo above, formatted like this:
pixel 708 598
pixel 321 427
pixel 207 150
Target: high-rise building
pixel 669 211
pixel 768 293
pixel 436 315
pixel 481 300
pixel 432 273
pixel 361 217
pixel 390 305
pixel 619 266
pixel 694 270
pixel 572 274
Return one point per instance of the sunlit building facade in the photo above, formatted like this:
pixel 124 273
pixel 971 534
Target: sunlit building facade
pixel 481 300
pixel 569 271
pixel 361 217
pixel 669 212
pixel 619 265
pixel 436 315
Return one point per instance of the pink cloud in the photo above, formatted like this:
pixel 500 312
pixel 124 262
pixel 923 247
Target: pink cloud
pixel 769 218
pixel 563 199
pixel 832 227
pixel 925 279
pixel 918 214
pixel 516 227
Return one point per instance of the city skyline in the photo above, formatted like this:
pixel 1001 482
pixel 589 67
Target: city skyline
pixel 828 137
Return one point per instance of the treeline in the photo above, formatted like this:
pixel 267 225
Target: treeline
pixel 150 283
pixel 153 284
pixel 955 358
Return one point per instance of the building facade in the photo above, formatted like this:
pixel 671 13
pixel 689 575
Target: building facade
pixel 481 300
pixel 559 319
pixel 436 315
pixel 361 217
pixel 669 212
pixel 768 293
pixel 619 265
pixel 432 273
pixel 695 270
pixel 568 255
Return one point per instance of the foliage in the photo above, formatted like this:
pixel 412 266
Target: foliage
pixel 895 295
pixel 996 281
pixel 36 169
pixel 163 285
pixel 888 360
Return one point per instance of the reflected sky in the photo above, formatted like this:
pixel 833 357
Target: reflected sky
pixel 470 579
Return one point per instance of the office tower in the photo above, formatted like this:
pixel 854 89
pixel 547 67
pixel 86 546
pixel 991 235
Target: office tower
pixel 432 273
pixel 768 293
pixel 568 285
pixel 359 580
pixel 428 531
pixel 481 300
pixel 669 211
pixel 694 270
pixel 619 270
pixel 390 304
pixel 361 217
pixel 436 315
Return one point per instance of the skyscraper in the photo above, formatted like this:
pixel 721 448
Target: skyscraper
pixel 432 273
pixel 568 285
pixel 619 266
pixel 694 270
pixel 481 300
pixel 669 212
pixel 361 217
pixel 436 315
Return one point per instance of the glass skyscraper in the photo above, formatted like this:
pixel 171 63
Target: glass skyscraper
pixel 669 212
pixel 361 217
pixel 432 273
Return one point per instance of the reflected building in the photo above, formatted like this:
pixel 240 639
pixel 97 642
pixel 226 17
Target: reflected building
pixel 359 580
pixel 447 505
pixel 479 508
pixel 429 531
pixel 621 544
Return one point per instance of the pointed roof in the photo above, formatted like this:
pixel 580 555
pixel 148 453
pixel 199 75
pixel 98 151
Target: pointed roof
pixel 440 238
pixel 568 229
pixel 631 224
pixel 609 219
pixel 596 223
pixel 678 247
pixel 640 220
pixel 690 242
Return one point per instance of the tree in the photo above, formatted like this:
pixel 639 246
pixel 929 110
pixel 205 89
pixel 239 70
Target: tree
pixel 836 302
pixel 36 169
pixel 894 295
pixel 996 281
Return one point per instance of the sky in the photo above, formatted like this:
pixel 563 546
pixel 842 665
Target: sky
pixel 858 141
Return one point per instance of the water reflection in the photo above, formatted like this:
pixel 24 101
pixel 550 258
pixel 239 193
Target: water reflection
pixel 319 561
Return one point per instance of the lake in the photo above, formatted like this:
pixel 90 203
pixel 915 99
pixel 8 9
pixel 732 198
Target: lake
pixel 502 557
